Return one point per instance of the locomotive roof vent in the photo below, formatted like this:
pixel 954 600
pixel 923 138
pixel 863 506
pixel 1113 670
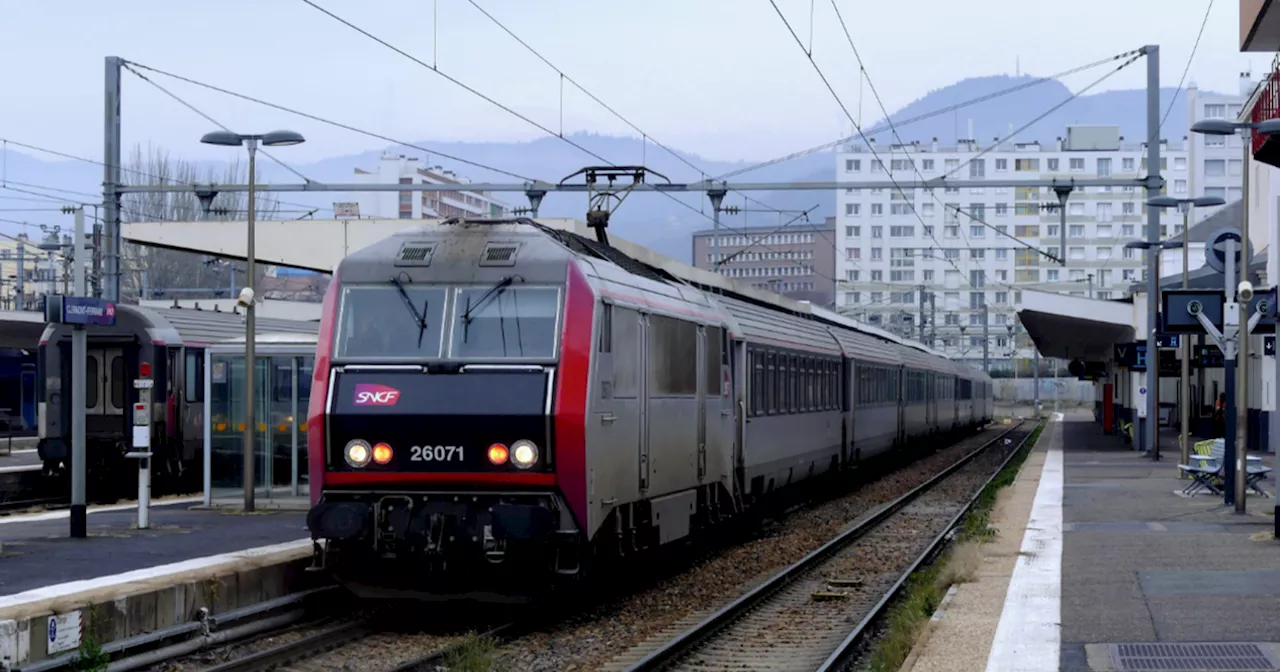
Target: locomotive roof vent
pixel 499 254
pixel 415 253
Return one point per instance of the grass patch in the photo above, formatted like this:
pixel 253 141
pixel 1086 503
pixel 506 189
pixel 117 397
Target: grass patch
pixel 926 588
pixel 473 655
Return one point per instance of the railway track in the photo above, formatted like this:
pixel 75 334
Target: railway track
pixel 816 613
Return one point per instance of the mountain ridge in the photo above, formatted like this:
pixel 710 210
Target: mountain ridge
pixel 657 222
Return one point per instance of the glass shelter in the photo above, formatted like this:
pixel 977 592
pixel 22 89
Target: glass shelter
pixel 283 374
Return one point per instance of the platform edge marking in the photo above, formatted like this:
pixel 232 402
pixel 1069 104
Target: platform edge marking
pixel 63 513
pixel 1028 637
pixel 148 574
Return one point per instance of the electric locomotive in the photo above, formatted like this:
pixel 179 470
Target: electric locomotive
pixel 497 404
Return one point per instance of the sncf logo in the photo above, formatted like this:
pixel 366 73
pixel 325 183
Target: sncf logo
pixel 371 394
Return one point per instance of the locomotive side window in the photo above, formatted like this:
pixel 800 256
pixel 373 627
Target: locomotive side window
pixel 673 344
pixel 625 331
pixel 771 384
pixel 93 383
pixel 712 370
pixel 510 322
pixel 757 382
pixel 377 322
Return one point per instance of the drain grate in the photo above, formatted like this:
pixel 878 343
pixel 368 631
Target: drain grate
pixel 1187 657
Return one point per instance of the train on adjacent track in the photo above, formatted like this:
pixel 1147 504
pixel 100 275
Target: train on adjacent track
pixel 498 405
pixel 167 345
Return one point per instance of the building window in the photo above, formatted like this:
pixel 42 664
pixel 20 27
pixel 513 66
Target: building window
pixel 1002 209
pixel 1127 165
pixel 977 253
pixel 1104 231
pixel 877 232
pixel 877 209
pixel 1234 166
pixel 852 209
pixel 926 164
pixel 926 210
pixel 1220 192
pixel 1215 111
pixel 1104 167
pixel 1215 167
pixel 1002 254
pixel 1026 165
pixel 1053 165
pixel 1077 165
pixel 1179 163
pixel 1002 165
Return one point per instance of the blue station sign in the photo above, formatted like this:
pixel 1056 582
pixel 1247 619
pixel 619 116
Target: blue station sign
pixel 80 310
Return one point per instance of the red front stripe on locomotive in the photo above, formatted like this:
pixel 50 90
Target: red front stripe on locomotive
pixel 569 413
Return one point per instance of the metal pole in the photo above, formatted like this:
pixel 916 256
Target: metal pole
pixel 1184 405
pixel 22 272
pixel 79 355
pixel 717 198
pixel 1153 233
pixel 111 180
pixel 250 352
pixel 922 320
pixel 1229 375
pixel 1035 367
pixel 933 320
pixel 1242 348
pixel 986 338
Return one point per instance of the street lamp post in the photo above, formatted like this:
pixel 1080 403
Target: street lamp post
pixel 1184 407
pixel 230 139
pixel 1237 449
pixel 1153 345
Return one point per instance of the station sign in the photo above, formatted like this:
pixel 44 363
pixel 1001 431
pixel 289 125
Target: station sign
pixel 1168 340
pixel 1269 346
pixel 1209 357
pixel 80 310
pixel 1132 356
pixel 1176 312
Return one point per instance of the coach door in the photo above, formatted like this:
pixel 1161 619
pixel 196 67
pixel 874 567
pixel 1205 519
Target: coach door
pixel 931 400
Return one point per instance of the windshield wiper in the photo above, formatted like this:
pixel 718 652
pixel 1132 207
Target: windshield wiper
pixel 419 318
pixel 494 292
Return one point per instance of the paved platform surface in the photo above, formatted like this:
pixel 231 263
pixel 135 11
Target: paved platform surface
pixel 1094 550
pixel 1143 564
pixel 39 552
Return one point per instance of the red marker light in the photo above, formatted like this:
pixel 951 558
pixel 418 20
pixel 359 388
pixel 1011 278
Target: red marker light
pixel 144 369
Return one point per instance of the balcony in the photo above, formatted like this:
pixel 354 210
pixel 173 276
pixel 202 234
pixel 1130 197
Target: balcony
pixel 1259 26
pixel 1262 105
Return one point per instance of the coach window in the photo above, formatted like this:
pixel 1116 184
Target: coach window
pixel 93 382
pixel 673 344
pixel 117 382
pixel 757 382
pixel 770 383
pixel 194 376
pixel 625 331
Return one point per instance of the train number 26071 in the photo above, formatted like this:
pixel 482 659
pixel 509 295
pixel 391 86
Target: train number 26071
pixel 435 453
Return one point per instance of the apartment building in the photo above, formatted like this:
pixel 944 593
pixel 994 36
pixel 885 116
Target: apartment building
pixel 1217 160
pixel 971 251
pixel 400 169
pixel 26 271
pixel 797 261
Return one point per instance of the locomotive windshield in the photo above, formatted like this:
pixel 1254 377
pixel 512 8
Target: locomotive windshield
pixel 505 321
pixel 377 323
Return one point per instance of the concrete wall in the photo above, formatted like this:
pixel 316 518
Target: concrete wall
pixel 1068 390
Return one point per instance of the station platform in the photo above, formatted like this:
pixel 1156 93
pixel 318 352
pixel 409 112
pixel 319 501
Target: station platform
pixel 21 457
pixel 36 551
pixel 1099 561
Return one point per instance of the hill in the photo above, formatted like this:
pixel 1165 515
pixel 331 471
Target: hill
pixel 661 223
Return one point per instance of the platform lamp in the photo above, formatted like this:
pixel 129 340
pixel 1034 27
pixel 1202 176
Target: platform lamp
pixel 229 139
pixel 1153 347
pixel 1185 206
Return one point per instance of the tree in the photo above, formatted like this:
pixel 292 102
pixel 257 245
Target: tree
pixel 151 270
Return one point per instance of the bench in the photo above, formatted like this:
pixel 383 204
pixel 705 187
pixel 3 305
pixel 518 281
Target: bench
pixel 1207 470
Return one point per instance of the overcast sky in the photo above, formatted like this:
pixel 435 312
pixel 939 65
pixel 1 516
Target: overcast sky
pixel 723 78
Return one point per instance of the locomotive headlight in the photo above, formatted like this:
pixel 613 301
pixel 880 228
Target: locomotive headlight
pixel 524 453
pixel 357 453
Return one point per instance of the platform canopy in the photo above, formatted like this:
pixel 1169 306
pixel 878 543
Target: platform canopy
pixel 21 329
pixel 1072 327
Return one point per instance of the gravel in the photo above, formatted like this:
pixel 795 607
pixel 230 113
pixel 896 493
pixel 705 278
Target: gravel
pixel 614 634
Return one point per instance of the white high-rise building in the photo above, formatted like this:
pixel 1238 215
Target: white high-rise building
pixel 399 169
pixel 892 248
pixel 1217 160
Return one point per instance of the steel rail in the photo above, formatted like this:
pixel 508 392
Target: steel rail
pixel 678 647
pixel 847 649
pixel 310 646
